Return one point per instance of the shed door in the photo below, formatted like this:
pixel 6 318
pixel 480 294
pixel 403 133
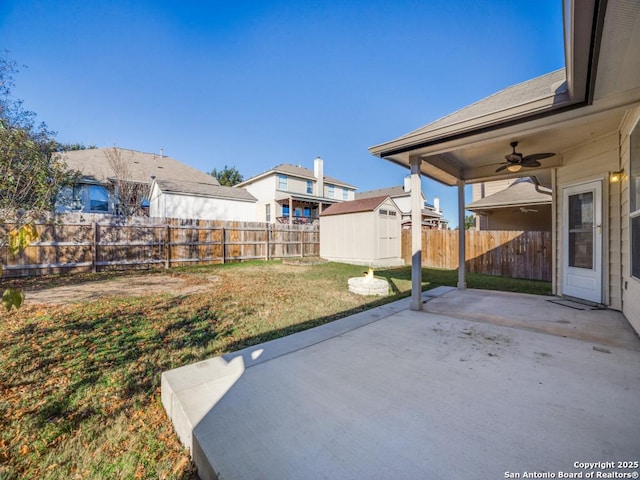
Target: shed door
pixel 582 241
pixel 387 233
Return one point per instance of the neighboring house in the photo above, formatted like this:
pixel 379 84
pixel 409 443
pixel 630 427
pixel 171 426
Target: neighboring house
pixel 180 190
pixel 362 232
pixel 290 194
pixel 186 199
pixel 401 195
pixel 522 205
pixel 588 114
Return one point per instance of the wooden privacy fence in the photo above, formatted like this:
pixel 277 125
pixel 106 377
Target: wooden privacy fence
pixel 507 253
pixel 96 246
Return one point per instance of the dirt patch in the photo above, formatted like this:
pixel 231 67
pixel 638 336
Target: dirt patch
pixel 130 286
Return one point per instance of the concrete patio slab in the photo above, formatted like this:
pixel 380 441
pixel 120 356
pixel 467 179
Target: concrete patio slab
pixel 400 394
pixel 537 313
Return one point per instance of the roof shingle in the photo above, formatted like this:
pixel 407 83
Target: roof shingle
pixel 354 206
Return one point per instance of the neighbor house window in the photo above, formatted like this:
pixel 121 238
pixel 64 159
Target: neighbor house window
pixel 634 201
pixel 345 194
pixel 282 182
pixel 98 198
pixel 285 210
pixel 267 212
pixel 332 190
pixel 309 186
pixel 307 212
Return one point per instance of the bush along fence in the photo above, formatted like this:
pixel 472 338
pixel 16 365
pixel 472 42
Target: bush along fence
pixel 513 254
pixel 102 244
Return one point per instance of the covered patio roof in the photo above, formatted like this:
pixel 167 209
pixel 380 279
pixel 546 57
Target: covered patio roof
pixel 551 113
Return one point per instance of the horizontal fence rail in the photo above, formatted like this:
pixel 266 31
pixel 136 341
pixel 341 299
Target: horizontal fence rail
pixel 101 245
pixel 516 254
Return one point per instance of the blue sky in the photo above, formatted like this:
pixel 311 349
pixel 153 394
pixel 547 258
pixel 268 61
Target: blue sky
pixel 256 84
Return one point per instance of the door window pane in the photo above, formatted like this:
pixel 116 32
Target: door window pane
pixel 634 201
pixel 635 246
pixel 581 230
pixel 634 174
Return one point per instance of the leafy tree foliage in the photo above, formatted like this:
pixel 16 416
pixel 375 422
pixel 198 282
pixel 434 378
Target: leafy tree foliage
pixel 128 194
pixel 30 176
pixel 228 176
pixel 469 222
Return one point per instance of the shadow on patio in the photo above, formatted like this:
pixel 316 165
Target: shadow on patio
pixel 395 393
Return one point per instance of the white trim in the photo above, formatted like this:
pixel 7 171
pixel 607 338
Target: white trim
pixel 595 294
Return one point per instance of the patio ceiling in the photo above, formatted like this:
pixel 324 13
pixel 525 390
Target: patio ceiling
pixel 545 114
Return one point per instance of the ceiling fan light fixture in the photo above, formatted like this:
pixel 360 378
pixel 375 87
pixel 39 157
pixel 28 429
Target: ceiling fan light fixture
pixel 514 167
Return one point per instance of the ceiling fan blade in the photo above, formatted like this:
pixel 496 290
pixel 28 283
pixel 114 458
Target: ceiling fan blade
pixel 502 167
pixel 531 163
pixel 537 156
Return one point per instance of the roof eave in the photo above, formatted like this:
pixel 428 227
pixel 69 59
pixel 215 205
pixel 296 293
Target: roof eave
pixel 583 28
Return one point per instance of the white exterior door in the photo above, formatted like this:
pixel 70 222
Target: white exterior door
pixel 582 241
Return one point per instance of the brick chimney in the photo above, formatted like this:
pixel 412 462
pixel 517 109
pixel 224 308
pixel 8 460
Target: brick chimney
pixel 318 172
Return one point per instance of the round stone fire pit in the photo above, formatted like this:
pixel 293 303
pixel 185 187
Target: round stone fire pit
pixel 368 285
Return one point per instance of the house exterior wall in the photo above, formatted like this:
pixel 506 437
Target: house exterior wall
pixel 484 189
pixel 264 190
pixel 630 285
pixel 592 161
pixel 296 185
pixel 156 202
pixel 205 208
pixel 338 192
pixel 513 219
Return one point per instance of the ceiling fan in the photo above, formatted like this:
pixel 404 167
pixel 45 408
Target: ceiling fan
pixel 527 210
pixel 515 161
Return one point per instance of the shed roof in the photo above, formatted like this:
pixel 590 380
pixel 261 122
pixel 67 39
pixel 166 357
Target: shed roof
pixel 356 206
pixel 520 193
pixel 184 187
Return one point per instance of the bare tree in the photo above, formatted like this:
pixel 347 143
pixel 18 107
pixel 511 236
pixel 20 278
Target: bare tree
pixel 128 193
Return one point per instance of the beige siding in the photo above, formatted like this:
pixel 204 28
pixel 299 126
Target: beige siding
pixel 297 185
pixel 588 162
pixel 356 237
pixel 484 189
pixel 630 285
pixel 513 218
pixel 348 237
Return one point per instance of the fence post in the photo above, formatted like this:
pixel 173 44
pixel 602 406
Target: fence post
pixel 267 242
pixel 94 248
pixel 167 247
pixel 301 241
pixel 224 248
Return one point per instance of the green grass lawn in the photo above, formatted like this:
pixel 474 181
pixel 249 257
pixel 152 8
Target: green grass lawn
pixel 80 383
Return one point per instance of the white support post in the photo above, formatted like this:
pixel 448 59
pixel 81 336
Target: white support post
pixel 462 284
pixel 416 235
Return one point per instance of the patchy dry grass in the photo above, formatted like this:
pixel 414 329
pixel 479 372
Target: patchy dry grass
pixel 79 384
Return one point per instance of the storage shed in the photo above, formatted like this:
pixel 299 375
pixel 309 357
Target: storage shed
pixel 362 232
